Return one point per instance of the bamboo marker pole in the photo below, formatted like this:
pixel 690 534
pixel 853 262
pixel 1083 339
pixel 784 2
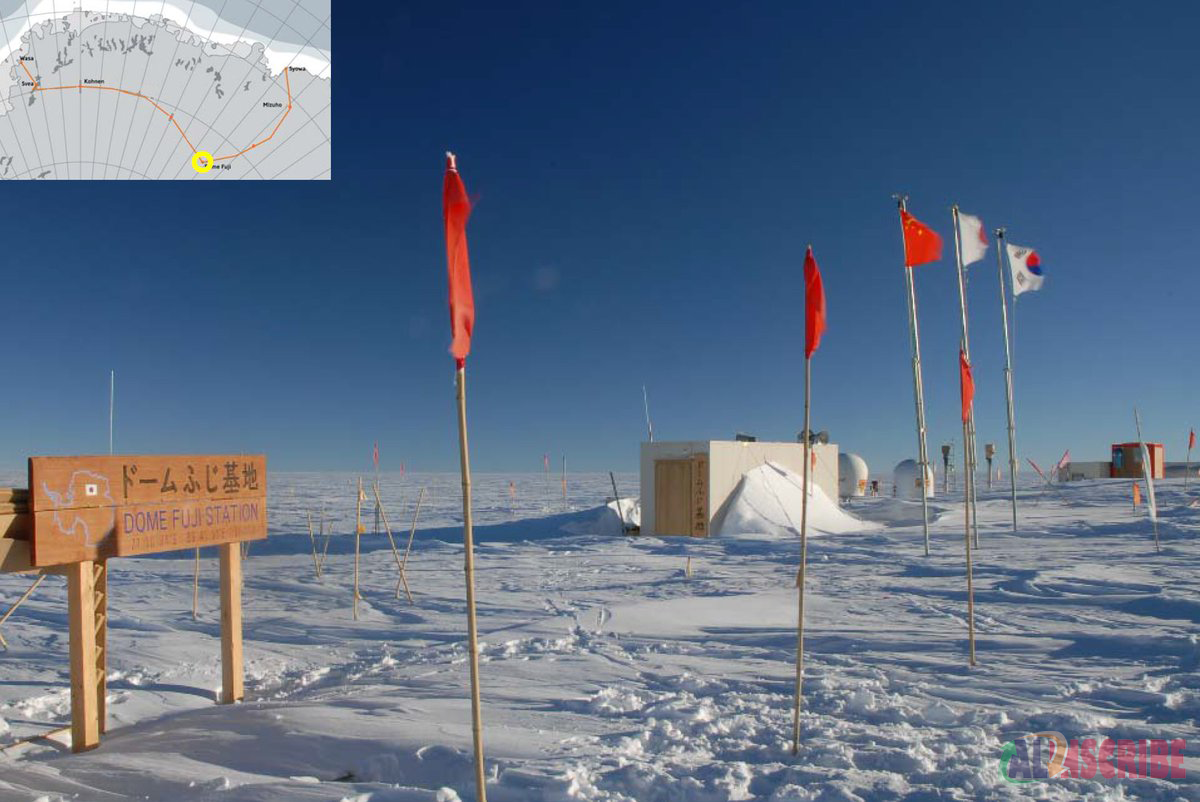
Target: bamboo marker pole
pixel 564 483
pixel 1187 471
pixel 358 527
pixel 17 604
pixel 196 586
pixel 387 527
pixel 1148 475
pixel 469 570
pixel 803 559
pixel 313 542
pixel 408 548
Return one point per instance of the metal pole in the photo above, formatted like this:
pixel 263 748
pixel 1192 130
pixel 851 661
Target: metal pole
pixel 646 405
pixel 969 456
pixel 803 560
pixel 1008 380
pixel 918 385
pixel 469 569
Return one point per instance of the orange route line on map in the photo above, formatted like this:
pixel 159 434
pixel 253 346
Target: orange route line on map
pixel 287 81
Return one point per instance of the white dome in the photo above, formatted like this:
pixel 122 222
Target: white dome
pixel 852 475
pixel 907 478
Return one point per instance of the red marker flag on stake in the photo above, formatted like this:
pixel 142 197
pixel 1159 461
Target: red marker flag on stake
pixel 967 384
pixel 456 209
pixel 814 304
pixel 376 457
pixel 921 243
pixel 1192 440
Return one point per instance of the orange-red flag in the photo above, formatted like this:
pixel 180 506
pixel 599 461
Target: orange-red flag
pixel 967 382
pixel 921 243
pixel 814 305
pixel 1191 439
pixel 456 208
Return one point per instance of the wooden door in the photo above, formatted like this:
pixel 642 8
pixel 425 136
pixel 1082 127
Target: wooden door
pixel 673 497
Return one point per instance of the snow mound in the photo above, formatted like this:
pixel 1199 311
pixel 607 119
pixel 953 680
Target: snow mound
pixel 768 501
pixel 606 521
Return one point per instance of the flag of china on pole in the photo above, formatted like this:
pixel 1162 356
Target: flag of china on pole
pixel 921 243
pixel 814 327
pixel 456 208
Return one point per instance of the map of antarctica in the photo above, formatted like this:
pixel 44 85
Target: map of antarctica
pixel 165 89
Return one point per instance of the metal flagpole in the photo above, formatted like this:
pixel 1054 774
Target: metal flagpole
pixel 969 456
pixel 803 558
pixel 918 385
pixel 1008 381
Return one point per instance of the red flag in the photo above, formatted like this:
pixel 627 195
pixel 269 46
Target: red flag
pixel 1192 440
pixel 456 208
pixel 967 382
pixel 814 305
pixel 921 243
pixel 376 456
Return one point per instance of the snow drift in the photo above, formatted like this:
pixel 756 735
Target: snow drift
pixel 768 501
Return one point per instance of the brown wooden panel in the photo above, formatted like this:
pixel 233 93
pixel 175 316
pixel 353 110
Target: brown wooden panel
pixel 94 508
pixel 699 496
pixel 672 496
pixel 58 483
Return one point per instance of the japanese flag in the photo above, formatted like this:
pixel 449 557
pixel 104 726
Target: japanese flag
pixel 972 238
pixel 1026 269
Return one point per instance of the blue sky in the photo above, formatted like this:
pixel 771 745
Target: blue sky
pixel 646 178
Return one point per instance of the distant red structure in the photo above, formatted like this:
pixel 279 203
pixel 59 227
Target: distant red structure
pixel 1127 460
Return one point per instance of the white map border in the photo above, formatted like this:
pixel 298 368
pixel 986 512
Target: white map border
pixel 201 21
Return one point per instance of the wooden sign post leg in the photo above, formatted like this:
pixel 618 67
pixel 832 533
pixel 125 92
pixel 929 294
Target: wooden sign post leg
pixel 100 594
pixel 231 623
pixel 81 614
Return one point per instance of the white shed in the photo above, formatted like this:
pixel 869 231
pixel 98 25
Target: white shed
pixel 686 484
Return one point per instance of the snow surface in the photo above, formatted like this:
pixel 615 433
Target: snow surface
pixel 608 674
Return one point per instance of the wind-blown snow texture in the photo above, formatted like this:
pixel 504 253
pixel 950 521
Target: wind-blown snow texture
pixel 609 675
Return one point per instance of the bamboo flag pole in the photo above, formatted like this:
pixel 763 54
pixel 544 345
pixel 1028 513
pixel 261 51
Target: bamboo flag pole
pixel 1008 377
pixel 814 326
pixel 469 569
pixel 456 209
pixel 564 483
pixel 918 383
pixel 1148 474
pixel 358 528
pixel 387 527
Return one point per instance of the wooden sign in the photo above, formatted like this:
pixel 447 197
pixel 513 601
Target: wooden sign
pixel 93 508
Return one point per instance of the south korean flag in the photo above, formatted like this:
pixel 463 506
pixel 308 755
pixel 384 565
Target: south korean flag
pixel 1026 269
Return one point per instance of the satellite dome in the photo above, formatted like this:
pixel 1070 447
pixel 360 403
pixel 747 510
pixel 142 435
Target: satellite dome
pixel 907 478
pixel 852 475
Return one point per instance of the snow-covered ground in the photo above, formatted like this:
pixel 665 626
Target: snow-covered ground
pixel 608 674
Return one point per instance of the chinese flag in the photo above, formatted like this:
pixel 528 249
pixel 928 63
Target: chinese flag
pixel 814 305
pixel 456 208
pixel 921 243
pixel 967 382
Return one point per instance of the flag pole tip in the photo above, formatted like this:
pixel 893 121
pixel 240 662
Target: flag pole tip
pixel 451 161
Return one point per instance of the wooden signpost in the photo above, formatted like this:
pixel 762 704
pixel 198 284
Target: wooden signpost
pixel 79 512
